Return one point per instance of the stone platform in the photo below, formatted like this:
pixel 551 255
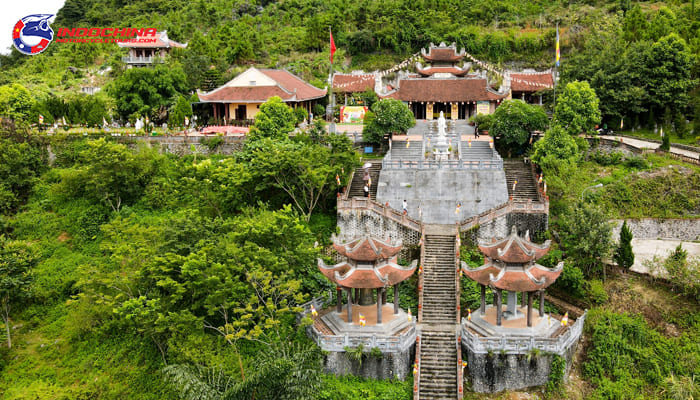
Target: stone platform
pixel 485 325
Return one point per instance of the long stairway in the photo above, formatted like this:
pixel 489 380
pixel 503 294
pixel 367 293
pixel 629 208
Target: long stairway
pixel 357 184
pixel 438 351
pixel 526 189
pixel 480 150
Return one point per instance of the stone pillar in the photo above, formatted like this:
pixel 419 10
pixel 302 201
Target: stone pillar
pixel 349 306
pixel 498 306
pixel 226 107
pixel 524 301
pixel 383 296
pixel 379 306
pixel 512 308
pixel 216 110
pixel 529 309
pixel 396 299
pixel 541 302
pixel 357 296
pixel 339 293
pixel 367 297
pixel 483 299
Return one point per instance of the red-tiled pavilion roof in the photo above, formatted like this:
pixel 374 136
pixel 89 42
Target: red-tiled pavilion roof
pixel 162 41
pixel 444 90
pixel 531 82
pixel 443 53
pixel 345 83
pixel 429 71
pixel 367 248
pixel 514 249
pixel 529 278
pixel 366 276
pixel 289 87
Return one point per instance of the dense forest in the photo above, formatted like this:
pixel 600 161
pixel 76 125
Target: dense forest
pixel 129 273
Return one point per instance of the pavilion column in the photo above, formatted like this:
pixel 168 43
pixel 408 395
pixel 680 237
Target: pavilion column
pixel 396 299
pixel 216 110
pixel 483 300
pixel 540 99
pixel 499 311
pixel 529 309
pixel 524 298
pixel 339 293
pixel 379 305
pixel 349 306
pixel 226 107
pixel 357 296
pixel 384 296
pixel 541 302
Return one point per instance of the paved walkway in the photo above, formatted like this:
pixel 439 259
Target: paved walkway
pixel 643 144
pixel 646 249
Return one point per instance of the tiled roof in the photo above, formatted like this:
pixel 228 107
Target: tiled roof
pixel 435 70
pixel 289 88
pixel 366 276
pixel 442 54
pixel 444 90
pixel 353 83
pixel 161 41
pixel 528 279
pixel 513 249
pixel 367 248
pixel 531 82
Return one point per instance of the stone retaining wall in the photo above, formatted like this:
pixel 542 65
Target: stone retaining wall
pixel 652 228
pixel 387 366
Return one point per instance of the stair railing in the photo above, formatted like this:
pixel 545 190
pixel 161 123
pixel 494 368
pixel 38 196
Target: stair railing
pixel 458 275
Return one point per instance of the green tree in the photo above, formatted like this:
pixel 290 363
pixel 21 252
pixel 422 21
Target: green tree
pixel 110 173
pixel 274 120
pixel 180 110
pixel 20 165
pixel 577 108
pixel 624 257
pixel 556 148
pixel 669 64
pixel 15 102
pixel 390 116
pixel 514 120
pixel 147 91
pixel 16 262
pixel 585 233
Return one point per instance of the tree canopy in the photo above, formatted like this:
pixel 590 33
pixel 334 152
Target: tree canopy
pixel 578 108
pixel 514 120
pixel 388 116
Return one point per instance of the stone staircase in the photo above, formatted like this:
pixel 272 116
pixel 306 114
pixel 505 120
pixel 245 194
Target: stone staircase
pixel 438 352
pixel 526 189
pixel 399 151
pixel 480 150
pixel 357 184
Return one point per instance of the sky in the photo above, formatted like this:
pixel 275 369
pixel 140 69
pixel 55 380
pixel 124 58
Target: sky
pixel 14 10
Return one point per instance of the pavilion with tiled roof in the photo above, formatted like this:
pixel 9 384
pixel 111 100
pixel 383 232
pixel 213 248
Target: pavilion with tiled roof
pixel 445 86
pixel 510 264
pixel 526 85
pixel 149 50
pixel 347 84
pixel 371 265
pixel 241 97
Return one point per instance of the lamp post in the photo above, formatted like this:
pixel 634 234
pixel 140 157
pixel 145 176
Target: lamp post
pixel 590 187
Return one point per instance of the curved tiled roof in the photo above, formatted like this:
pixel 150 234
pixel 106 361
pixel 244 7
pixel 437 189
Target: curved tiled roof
pixel 366 248
pixel 526 279
pixel 442 53
pixel 514 249
pixel 444 90
pixel 366 276
pixel 531 82
pixel 288 87
pixel 345 83
pixel 429 71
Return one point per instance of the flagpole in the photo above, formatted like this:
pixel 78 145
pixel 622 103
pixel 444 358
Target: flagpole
pixel 331 127
pixel 556 64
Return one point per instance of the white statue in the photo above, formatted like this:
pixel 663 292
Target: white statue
pixel 139 124
pixel 441 124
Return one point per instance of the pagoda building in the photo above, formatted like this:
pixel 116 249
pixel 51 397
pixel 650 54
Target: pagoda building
pixel 371 266
pixel 510 264
pixel 445 85
pixel 529 84
pixel 146 51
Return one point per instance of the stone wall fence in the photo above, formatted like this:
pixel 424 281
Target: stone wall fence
pixel 653 228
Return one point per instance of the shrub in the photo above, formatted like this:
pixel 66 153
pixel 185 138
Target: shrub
pixel 665 143
pixel 300 114
pixel 571 280
pixel 595 291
